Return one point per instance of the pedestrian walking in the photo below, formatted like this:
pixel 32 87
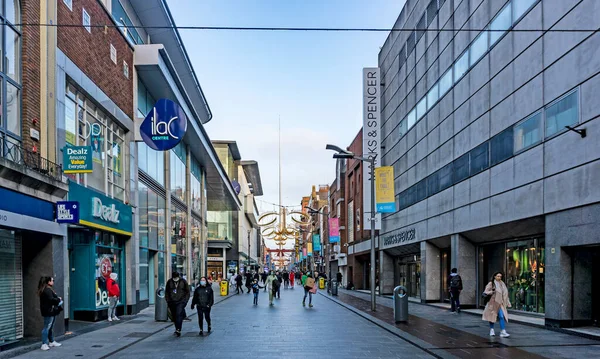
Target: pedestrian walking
pixel 204 298
pixel 114 293
pixel 50 306
pixel 310 287
pixel 496 296
pixel 286 279
pixel 248 281
pixel 280 282
pixel 232 280
pixel 303 279
pixel 455 286
pixel 255 290
pixel 177 294
pixel 339 277
pixel 263 277
pixel 292 277
pixel 238 284
pixel 272 286
pixel 298 277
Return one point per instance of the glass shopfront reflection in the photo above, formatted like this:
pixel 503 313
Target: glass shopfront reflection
pixel 178 240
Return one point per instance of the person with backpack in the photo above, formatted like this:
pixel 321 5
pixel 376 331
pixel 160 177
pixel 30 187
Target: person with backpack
pixel 280 281
pixel 238 284
pixel 272 286
pixel 113 296
pixel 255 289
pixel 496 297
pixel 50 305
pixel 177 294
pixel 204 298
pixel 286 279
pixel 455 286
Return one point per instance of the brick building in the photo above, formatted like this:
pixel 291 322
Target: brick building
pixel 338 255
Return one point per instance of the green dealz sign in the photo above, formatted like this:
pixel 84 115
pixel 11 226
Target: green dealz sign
pixel 77 159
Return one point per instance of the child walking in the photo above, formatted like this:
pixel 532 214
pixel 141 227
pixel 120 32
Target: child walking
pixel 255 289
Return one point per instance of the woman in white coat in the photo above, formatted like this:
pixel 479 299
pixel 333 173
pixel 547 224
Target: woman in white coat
pixel 496 307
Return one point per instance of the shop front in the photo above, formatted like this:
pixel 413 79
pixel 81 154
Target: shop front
pixel 96 249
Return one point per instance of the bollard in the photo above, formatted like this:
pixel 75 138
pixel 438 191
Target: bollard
pixel 400 304
pixel 334 287
pixel 160 306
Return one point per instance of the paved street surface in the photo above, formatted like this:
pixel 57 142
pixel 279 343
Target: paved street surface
pixel 337 327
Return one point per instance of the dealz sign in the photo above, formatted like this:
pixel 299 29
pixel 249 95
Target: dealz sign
pixel 105 213
pixel 165 125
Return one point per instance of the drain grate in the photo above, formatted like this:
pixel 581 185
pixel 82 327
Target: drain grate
pixel 137 335
pixel 472 326
pixel 136 321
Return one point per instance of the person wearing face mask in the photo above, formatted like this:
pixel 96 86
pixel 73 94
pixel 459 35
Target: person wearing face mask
pixel 497 297
pixel 177 294
pixel 204 298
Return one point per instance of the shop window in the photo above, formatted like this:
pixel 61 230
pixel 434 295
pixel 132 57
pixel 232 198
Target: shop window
pixel 501 146
pixel 461 168
pixel 500 24
pixel 524 262
pixel 563 112
pixel 528 132
pixel 520 7
pixel 479 157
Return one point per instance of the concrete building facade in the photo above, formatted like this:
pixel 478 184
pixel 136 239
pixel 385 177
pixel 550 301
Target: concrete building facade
pixel 488 176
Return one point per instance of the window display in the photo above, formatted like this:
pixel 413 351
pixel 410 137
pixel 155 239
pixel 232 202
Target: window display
pixel 108 260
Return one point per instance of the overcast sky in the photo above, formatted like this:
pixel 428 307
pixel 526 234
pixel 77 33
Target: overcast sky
pixel 311 80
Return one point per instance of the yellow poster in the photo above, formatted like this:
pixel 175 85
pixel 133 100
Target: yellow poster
pixel 309 248
pixel 384 189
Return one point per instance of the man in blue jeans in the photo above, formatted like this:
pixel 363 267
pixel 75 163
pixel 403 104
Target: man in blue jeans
pixel 454 287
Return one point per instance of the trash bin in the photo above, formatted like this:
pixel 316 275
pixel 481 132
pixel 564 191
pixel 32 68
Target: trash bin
pixel 160 306
pixel 224 288
pixel 334 287
pixel 321 283
pixel 400 304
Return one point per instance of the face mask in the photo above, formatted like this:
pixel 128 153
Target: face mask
pixel 202 282
pixel 176 279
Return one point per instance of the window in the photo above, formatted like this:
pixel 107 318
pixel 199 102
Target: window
pixel 113 54
pixel 461 168
pixel 528 132
pixel 421 189
pixel 410 43
pixel 125 24
pixel 431 11
pixel 402 128
pixel 563 112
pixel 433 183
pixel 87 21
pixel 421 26
pixel 358 217
pixel 461 66
pixel 479 47
pixel 445 83
pixel 500 24
pixel 445 176
pixel 520 7
pixel 502 146
pixel 401 57
pixel 69 4
pixel 479 158
pixel 432 96
pixel 350 221
pixel 10 82
pixel 125 69
pixel 421 108
pixel 411 118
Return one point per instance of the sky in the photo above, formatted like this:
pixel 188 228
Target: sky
pixel 310 80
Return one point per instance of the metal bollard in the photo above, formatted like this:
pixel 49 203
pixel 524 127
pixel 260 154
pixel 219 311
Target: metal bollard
pixel 160 306
pixel 400 304
pixel 334 287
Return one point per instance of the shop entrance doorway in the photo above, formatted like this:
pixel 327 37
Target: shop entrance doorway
pixel 409 274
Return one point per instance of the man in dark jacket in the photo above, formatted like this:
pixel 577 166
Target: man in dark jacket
pixel 204 298
pixel 248 281
pixel 177 294
pixel 263 277
pixel 238 284
pixel 280 281
pixel 455 286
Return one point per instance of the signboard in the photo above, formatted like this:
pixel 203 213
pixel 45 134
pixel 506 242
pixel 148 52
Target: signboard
pixel 99 211
pixel 371 137
pixel 77 159
pixel 384 190
pixel 67 212
pixel 214 259
pixel 165 125
pixel 316 242
pixel 309 249
pixel 303 252
pixel 404 237
pixel 334 230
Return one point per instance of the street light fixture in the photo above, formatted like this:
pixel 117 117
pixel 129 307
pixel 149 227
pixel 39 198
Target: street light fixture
pixel 345 154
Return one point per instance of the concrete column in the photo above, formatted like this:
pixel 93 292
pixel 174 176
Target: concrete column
pixel 59 260
pixel 430 272
pixel 464 258
pixel 386 273
pixel 558 283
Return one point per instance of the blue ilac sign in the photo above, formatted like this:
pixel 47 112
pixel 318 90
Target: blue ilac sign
pixel 165 125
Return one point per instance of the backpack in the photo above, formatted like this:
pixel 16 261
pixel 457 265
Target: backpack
pixel 275 284
pixel 456 282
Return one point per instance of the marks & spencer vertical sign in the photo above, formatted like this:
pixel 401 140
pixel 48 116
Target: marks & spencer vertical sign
pixel 165 125
pixel 371 137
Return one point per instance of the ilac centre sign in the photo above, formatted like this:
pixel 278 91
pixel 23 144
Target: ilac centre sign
pixel 165 125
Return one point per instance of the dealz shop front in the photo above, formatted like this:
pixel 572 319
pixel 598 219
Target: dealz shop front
pixel 97 249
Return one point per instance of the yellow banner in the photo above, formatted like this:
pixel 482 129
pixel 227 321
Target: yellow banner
pixel 309 249
pixel 384 189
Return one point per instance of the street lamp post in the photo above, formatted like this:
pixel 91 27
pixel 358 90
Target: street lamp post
pixel 344 154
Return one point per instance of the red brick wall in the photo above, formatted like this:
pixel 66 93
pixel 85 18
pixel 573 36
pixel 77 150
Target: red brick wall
pixel 30 13
pixel 91 51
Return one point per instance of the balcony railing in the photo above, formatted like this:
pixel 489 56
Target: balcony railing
pixel 31 160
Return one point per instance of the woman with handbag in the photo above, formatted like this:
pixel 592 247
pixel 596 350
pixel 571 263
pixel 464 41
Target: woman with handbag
pixel 496 295
pixel 50 306
pixel 310 288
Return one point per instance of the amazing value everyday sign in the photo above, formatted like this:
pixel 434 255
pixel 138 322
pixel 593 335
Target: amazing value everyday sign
pixel 77 159
pixel 165 125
